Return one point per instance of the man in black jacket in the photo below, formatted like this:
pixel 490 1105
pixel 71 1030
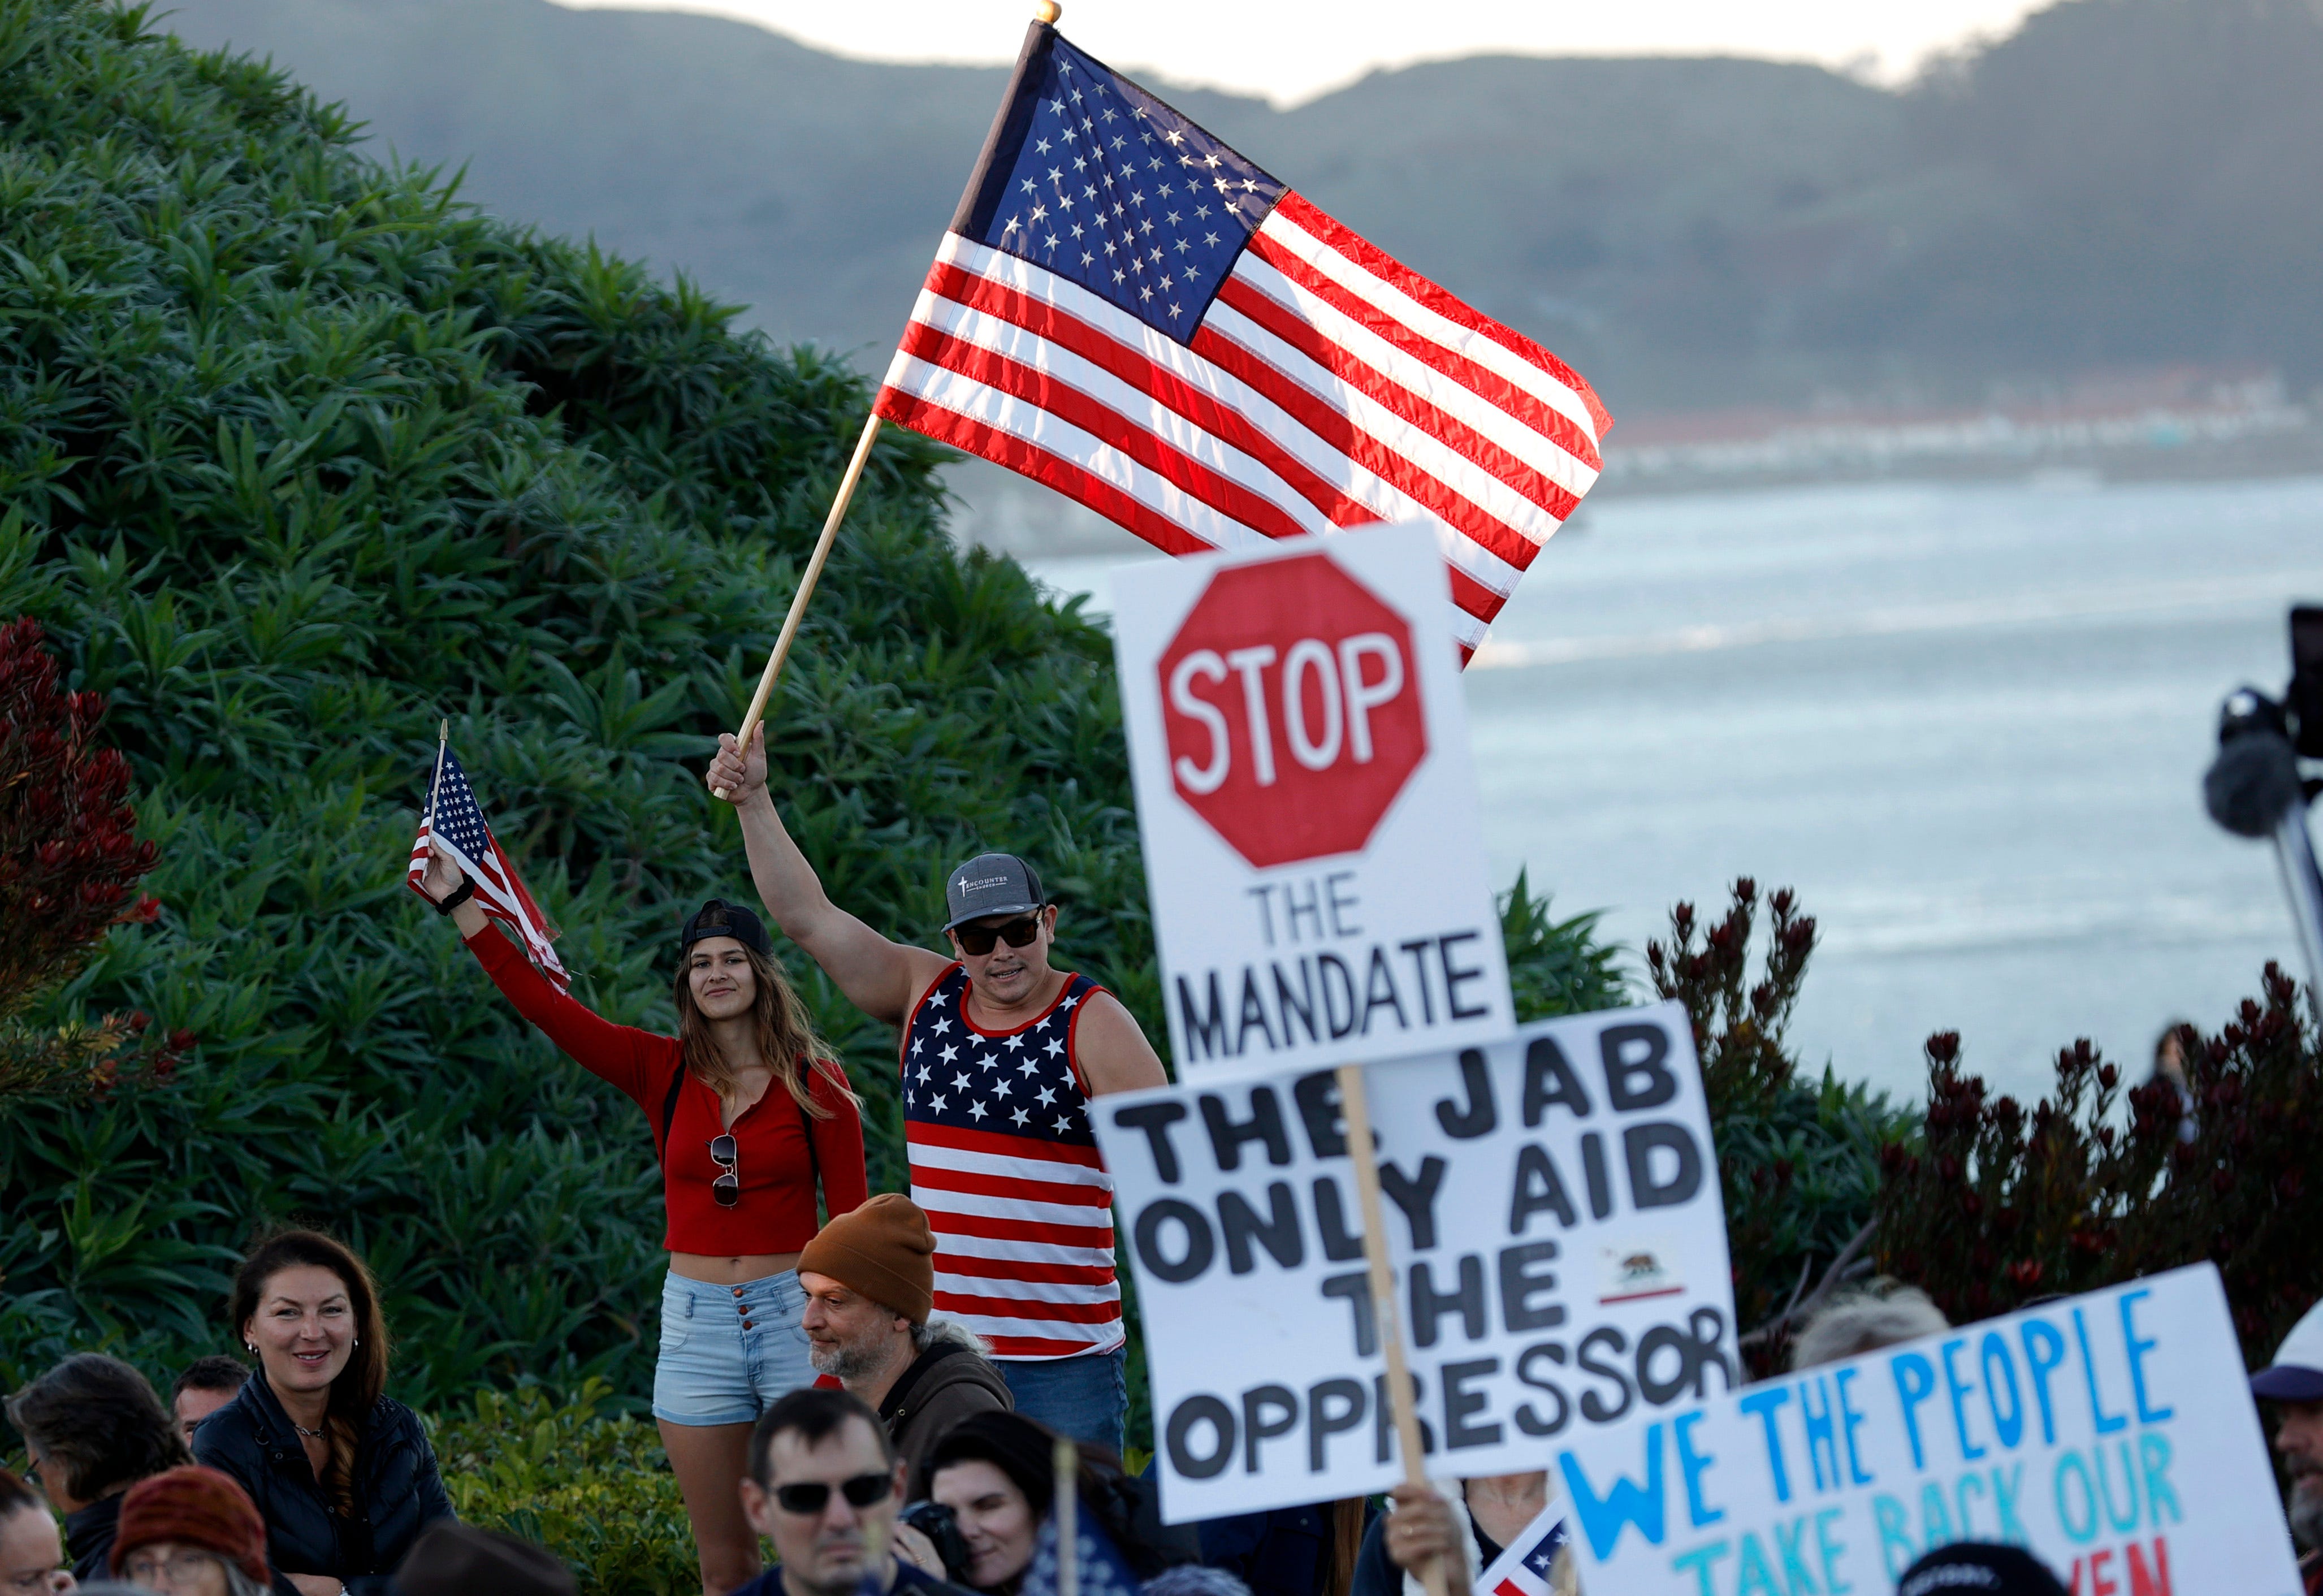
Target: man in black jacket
pixel 94 1427
pixel 824 1486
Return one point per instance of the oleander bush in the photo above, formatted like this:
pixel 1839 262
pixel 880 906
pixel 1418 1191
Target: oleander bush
pixel 301 455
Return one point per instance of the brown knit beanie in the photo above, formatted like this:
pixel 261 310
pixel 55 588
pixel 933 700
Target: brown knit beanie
pixel 195 1507
pixel 884 1250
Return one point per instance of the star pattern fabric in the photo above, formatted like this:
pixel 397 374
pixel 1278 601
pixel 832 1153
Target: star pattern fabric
pixel 1006 1170
pixel 1111 189
pixel 1021 1083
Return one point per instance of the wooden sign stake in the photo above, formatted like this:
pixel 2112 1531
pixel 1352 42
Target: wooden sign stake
pixel 1355 1109
pixel 1065 1495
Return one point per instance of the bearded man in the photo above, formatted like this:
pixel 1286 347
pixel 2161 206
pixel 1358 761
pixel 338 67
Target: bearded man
pixel 869 1279
pixel 2294 1383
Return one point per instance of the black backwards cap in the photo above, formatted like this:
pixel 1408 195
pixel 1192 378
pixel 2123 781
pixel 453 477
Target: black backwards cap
pixel 718 918
pixel 1980 1568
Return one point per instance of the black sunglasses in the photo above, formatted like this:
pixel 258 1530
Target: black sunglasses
pixel 812 1496
pixel 1017 933
pixel 727 1188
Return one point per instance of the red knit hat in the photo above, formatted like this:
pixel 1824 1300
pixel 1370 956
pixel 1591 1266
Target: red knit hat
pixel 196 1507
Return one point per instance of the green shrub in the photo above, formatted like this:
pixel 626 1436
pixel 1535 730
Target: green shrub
pixel 591 1485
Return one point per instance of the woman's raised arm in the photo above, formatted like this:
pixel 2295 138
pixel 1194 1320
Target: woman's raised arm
pixel 615 1053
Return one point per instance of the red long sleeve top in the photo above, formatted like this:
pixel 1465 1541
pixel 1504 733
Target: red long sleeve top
pixel 779 1162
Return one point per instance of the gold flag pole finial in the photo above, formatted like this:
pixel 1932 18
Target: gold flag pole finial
pixel 1047 11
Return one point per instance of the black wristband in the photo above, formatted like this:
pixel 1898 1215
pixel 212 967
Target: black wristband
pixel 457 896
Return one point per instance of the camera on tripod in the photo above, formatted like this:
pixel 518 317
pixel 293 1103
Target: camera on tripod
pixel 2255 787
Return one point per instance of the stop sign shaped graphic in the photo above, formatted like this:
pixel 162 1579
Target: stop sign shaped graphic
pixel 1291 709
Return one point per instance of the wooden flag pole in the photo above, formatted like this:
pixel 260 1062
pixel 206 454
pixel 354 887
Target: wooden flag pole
pixel 1355 1109
pixel 806 584
pixel 443 743
pixel 1065 1495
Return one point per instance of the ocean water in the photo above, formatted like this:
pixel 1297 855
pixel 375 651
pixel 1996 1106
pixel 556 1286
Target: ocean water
pixel 1967 722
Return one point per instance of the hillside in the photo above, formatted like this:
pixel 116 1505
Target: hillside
pixel 2123 181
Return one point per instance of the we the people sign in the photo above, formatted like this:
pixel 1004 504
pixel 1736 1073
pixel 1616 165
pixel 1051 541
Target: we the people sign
pixel 1306 803
pixel 2112 1435
pixel 1552 1208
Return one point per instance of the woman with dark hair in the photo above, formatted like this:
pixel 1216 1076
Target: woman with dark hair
pixel 342 1474
pixel 749 1110
pixel 95 1428
pixel 995 1474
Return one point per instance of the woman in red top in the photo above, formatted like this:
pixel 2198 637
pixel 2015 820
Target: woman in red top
pixel 748 1109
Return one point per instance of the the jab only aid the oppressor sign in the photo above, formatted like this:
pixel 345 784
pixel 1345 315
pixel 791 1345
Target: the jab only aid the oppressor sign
pixel 1306 803
pixel 1552 1208
pixel 2112 1435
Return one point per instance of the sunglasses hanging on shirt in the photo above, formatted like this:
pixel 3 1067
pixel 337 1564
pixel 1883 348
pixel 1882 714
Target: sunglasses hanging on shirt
pixel 727 1189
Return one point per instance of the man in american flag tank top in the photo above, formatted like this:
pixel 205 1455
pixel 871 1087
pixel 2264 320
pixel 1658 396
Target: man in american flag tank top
pixel 1000 1052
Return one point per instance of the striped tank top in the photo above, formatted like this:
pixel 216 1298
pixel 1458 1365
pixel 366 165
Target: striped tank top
pixel 1006 1170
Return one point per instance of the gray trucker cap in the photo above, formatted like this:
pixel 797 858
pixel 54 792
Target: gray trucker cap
pixel 992 883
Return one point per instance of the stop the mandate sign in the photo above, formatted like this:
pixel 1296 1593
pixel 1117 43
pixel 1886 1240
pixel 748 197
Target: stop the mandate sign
pixel 1313 850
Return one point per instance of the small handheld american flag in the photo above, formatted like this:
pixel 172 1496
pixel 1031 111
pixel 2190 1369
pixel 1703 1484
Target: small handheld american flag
pixel 453 826
pixel 1131 312
pixel 1524 1568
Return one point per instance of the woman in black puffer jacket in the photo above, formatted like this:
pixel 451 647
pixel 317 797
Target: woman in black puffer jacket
pixel 342 1475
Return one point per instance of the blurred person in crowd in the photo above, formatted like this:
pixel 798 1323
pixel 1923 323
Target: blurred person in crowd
pixel 1881 1314
pixel 1195 1578
pixel 869 1282
pixel 996 1473
pixel 1979 1567
pixel 341 1473
pixel 2293 1385
pixel 207 1385
pixel 1001 1053
pixel 32 1552
pixel 192 1531
pixel 1305 1551
pixel 824 1485
pixel 750 1112
pixel 1466 1530
pixel 2170 1065
pixel 95 1428
pixel 454 1559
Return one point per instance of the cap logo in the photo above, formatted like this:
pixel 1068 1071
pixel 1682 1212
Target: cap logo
pixel 967 885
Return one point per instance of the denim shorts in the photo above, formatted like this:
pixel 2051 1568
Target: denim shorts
pixel 729 1351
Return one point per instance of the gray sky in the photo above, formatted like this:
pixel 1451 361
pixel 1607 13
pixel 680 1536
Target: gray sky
pixel 1291 50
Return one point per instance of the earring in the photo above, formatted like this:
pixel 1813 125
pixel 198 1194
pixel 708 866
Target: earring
pixel 251 1347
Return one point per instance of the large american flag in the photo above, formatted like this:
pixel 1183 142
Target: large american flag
pixel 1129 311
pixel 453 826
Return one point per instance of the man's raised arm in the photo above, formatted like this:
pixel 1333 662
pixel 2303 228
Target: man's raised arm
pixel 879 976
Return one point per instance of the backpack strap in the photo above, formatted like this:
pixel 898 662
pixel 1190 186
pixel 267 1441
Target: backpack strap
pixel 807 1129
pixel 669 1109
pixel 806 1122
